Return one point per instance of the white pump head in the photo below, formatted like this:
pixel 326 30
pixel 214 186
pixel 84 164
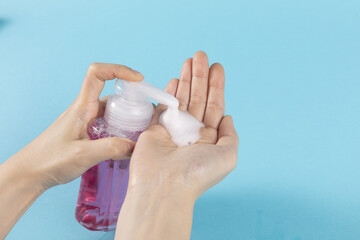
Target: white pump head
pixel 138 91
pixel 130 108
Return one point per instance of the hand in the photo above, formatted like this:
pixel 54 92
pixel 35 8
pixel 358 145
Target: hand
pixel 64 151
pixel 157 161
pixel 165 180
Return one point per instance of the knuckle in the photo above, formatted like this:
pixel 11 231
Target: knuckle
pixel 115 147
pixel 216 105
pixel 198 99
pixel 217 83
pixel 96 70
pixel 182 101
pixel 78 150
pixel 94 67
pixel 185 78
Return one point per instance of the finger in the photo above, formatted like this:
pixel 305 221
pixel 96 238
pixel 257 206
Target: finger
pixel 158 111
pixel 199 85
pixel 183 90
pixel 170 88
pixel 102 105
pixel 98 73
pixel 229 141
pixel 103 100
pixel 108 148
pixel 215 106
pixel 227 134
pixel 208 135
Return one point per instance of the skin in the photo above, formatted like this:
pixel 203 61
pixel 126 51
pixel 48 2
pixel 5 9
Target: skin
pixel 165 180
pixel 64 151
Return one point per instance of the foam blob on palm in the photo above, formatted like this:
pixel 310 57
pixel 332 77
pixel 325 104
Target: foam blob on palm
pixel 183 128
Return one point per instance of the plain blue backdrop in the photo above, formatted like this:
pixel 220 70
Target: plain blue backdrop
pixel 293 84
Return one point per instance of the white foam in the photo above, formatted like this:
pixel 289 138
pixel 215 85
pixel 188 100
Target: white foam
pixel 183 128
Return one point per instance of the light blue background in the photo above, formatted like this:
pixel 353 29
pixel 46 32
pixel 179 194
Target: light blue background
pixel 293 83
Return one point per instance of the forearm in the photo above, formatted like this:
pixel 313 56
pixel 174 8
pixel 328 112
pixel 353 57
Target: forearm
pixel 151 215
pixel 18 190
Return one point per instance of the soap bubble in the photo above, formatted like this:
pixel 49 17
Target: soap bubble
pixel 183 128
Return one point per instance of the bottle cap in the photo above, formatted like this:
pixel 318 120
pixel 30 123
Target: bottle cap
pixel 130 107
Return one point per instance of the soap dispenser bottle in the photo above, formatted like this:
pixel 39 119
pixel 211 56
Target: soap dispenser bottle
pixel 103 187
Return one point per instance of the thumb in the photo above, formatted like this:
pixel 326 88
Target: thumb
pixel 114 148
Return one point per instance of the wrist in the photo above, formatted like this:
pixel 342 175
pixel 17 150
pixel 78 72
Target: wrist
pixel 23 175
pixel 18 191
pixel 161 192
pixel 155 214
pixel 151 199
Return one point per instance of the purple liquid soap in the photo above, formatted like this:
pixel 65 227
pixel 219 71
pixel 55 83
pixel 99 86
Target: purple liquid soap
pixel 103 187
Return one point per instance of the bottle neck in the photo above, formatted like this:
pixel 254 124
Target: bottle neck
pixel 121 113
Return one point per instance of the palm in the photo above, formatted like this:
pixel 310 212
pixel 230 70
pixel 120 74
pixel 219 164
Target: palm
pixel 156 158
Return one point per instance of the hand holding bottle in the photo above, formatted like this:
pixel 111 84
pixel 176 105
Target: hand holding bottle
pixel 64 151
pixel 165 180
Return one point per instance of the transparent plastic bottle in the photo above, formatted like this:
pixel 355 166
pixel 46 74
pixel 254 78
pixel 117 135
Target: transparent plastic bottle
pixel 128 112
pixel 103 187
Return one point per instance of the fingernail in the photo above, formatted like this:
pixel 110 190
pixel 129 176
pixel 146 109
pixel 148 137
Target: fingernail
pixel 135 72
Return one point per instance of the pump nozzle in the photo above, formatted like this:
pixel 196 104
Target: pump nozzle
pixel 137 91
pixel 183 128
